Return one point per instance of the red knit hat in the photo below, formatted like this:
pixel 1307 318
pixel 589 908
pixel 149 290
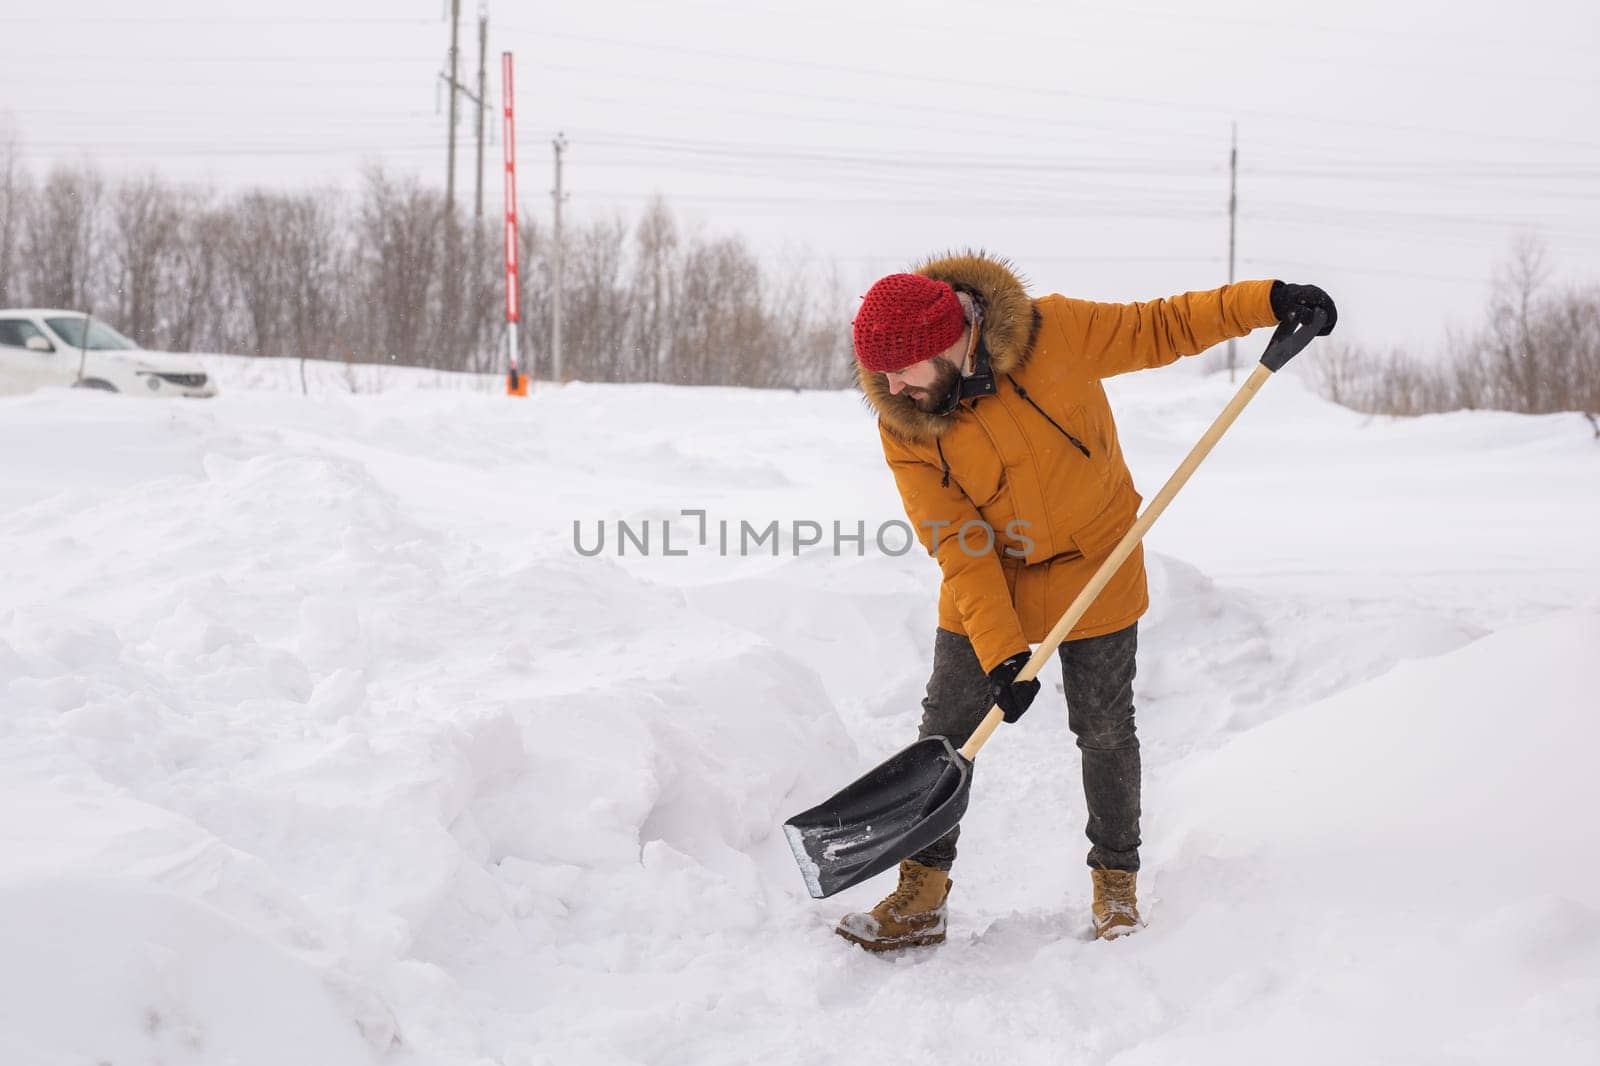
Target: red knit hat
pixel 904 319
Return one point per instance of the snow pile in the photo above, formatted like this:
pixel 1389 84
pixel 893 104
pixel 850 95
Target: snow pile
pixel 1410 861
pixel 156 976
pixel 321 741
pixel 322 377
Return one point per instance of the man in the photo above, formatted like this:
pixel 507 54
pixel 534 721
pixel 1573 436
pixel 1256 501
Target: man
pixel 997 430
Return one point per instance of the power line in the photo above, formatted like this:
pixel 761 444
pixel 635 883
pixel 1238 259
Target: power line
pixel 1026 131
pixel 394 82
pixel 1430 171
pixel 125 115
pixel 1274 261
pixel 230 20
pixel 231 60
pixel 1298 118
pixel 1021 257
pixel 733 159
pixel 1032 122
pixel 342 149
pixel 1054 7
pixel 1316 56
pixel 1333 168
pixel 943 163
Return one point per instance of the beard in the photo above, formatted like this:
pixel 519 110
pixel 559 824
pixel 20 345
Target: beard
pixel 940 397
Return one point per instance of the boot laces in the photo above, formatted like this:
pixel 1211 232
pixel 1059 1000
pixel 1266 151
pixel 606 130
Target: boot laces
pixel 1114 895
pixel 908 889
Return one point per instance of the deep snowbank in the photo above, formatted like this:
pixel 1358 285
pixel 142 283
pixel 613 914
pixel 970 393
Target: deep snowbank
pixel 310 703
pixel 96 967
pixel 1409 865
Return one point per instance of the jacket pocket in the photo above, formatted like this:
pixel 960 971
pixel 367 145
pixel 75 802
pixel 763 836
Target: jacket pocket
pixel 1096 537
pixel 1070 427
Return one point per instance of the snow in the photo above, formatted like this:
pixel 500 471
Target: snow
pixel 320 742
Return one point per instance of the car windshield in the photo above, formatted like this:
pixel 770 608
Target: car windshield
pixel 101 336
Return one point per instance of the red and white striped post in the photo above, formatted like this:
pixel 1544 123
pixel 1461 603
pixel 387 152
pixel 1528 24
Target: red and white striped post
pixel 516 382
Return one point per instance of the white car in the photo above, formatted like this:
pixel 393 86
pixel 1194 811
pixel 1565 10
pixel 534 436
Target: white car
pixel 42 347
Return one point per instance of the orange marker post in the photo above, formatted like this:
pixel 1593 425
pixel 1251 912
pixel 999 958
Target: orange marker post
pixel 516 381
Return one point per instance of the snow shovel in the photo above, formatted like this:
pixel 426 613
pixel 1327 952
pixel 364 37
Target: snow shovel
pixel 917 796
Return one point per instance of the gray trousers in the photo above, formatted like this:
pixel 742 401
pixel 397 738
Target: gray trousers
pixel 1098 673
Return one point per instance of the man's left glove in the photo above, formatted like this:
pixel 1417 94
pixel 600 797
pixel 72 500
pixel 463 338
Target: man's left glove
pixel 1289 298
pixel 1011 695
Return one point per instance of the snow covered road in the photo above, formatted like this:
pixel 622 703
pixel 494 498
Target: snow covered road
pixel 321 741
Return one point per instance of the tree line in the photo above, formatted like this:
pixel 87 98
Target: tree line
pixel 389 274
pixel 1536 350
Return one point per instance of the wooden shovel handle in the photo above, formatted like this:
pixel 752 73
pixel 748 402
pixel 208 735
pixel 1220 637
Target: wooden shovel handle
pixel 1290 338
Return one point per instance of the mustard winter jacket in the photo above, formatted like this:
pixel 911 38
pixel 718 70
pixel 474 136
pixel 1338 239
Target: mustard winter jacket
pixel 1021 494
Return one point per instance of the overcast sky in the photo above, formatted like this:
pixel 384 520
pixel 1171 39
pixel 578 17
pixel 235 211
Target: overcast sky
pixel 1391 152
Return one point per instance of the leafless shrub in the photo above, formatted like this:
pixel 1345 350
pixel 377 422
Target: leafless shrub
pixel 1338 371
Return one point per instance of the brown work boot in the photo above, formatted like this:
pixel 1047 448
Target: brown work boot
pixel 912 916
pixel 1116 908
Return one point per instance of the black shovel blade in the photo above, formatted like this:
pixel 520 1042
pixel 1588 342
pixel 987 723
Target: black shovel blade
pixel 891 813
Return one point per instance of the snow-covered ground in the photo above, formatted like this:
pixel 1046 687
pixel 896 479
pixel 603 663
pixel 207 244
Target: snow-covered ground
pixel 320 741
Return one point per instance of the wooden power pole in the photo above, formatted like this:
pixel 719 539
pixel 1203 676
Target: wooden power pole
pixel 1233 214
pixel 480 98
pixel 483 95
pixel 455 52
pixel 555 318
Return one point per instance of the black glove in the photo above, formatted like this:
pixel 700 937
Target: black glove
pixel 1287 299
pixel 1012 696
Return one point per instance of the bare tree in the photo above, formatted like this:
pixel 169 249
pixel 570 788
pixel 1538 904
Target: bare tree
pixel 61 239
pixel 811 337
pixel 143 233
pixel 655 283
pixel 1569 336
pixel 482 345
pixel 13 210
pixel 721 317
pixel 595 302
pixel 401 235
pixel 1509 334
pixel 534 309
pixel 260 269
pixel 315 248
pixel 200 301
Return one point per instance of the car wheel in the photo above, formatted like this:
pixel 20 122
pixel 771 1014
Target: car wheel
pixel 96 384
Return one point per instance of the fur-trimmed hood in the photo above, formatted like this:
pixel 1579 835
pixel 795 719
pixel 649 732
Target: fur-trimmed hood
pixel 1010 325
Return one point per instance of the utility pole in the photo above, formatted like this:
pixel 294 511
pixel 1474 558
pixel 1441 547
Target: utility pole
pixel 1233 214
pixel 555 319
pixel 454 87
pixel 455 51
pixel 483 94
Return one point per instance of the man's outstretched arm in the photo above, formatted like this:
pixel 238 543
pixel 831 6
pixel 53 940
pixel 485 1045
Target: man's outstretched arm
pixel 1118 338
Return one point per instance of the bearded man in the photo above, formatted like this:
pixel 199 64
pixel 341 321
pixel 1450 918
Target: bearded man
pixel 1003 446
